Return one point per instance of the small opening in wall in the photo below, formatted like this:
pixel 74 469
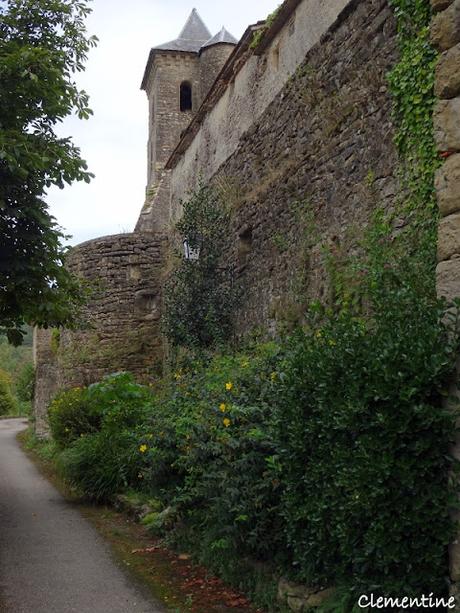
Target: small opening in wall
pixel 185 96
pixel 244 247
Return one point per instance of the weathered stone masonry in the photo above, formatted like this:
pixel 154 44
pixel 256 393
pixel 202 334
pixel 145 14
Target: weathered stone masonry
pixel 295 132
pixel 445 34
pixel 122 318
pixel 312 169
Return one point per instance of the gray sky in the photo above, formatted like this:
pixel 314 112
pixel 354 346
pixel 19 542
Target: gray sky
pixel 114 140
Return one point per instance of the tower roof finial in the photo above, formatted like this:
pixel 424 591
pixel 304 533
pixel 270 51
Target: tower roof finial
pixel 192 36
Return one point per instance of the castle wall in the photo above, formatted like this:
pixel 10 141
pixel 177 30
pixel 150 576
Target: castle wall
pixel 310 170
pixel 445 35
pixel 122 317
pixel 120 328
pixel 256 84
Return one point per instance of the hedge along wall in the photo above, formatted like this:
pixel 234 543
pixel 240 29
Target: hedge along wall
pixel 445 35
pixel 313 168
pixel 121 322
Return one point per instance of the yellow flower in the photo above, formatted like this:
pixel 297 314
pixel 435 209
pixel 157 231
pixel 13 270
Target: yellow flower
pixel 228 386
pixel 319 334
pixel 227 422
pixel 273 376
pixel 223 407
pixel 143 448
pixel 332 343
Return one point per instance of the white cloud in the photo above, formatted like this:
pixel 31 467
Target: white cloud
pixel 114 141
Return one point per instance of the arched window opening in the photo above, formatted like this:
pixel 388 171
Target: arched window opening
pixel 185 96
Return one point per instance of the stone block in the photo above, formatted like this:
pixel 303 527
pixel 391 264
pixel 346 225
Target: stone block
pixel 446 121
pixel 449 237
pixel 447 83
pixel 447 183
pixel 445 27
pixel 448 279
pixel 440 5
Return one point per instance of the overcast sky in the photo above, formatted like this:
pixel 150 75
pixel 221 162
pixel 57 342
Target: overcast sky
pixel 114 140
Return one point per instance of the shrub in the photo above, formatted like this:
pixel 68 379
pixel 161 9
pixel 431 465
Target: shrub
pixel 25 383
pixel 102 428
pixel 211 452
pixel 71 415
pixel 120 401
pixel 199 296
pixel 8 404
pixel 364 439
pixel 103 464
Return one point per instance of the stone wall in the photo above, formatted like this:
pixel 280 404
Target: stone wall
pixel 445 34
pixel 121 322
pixel 257 80
pixel 123 316
pixel 313 168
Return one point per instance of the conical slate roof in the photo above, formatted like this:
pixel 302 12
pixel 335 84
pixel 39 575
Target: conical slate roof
pixel 221 37
pixel 192 37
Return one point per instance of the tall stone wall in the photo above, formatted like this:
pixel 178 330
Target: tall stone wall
pixel 312 169
pixel 120 328
pixel 257 79
pixel 123 316
pixel 445 34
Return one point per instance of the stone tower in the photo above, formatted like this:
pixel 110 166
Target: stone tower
pixel 177 78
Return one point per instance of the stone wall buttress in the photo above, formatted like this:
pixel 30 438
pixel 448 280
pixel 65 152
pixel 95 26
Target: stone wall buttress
pixel 445 35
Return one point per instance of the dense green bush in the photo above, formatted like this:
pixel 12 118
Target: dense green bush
pixel 71 415
pixel 363 447
pixel 199 296
pixel 212 443
pixel 25 383
pixel 326 456
pixel 8 404
pixel 103 464
pixel 100 428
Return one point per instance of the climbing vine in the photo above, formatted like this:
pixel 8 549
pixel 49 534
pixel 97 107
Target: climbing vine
pixel 412 88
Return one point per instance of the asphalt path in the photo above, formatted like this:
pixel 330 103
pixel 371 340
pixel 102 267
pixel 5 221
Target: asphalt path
pixel 51 559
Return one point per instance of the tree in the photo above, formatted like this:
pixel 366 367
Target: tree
pixel 43 43
pixel 199 297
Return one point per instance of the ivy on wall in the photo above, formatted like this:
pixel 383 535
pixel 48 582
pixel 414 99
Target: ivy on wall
pixel 412 88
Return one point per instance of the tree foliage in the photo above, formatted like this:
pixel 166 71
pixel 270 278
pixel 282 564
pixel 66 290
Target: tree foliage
pixel 43 43
pixel 200 297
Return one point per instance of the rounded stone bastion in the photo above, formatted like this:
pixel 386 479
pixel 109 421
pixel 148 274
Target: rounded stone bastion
pixel 120 329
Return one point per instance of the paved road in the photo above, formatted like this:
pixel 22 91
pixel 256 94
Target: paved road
pixel 51 559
